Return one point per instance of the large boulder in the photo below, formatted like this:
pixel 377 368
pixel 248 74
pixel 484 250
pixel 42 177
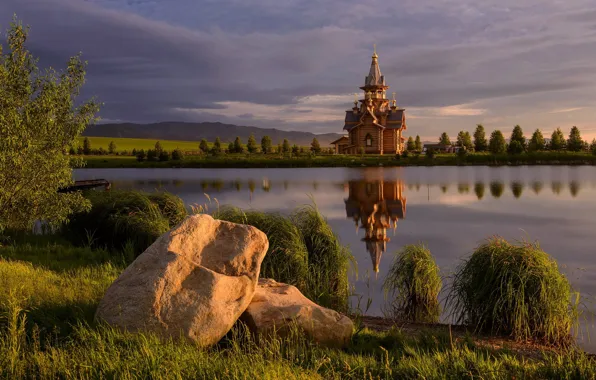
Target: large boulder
pixel 278 308
pixel 194 282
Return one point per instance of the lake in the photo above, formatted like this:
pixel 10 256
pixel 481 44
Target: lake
pixel 376 211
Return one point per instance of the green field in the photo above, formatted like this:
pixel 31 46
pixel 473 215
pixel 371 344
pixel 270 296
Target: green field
pixel 127 144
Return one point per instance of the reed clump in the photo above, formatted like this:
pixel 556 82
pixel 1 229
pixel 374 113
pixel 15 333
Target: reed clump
pixel 287 257
pixel 328 259
pixel 514 289
pixel 303 251
pixel 412 285
pixel 124 217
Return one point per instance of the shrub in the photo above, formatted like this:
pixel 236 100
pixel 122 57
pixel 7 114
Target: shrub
pixel 430 153
pixel 514 289
pixel 177 155
pixel 405 154
pixel 413 284
pixel 151 155
pixel 170 206
pixel 164 155
pixel 141 155
pixel 119 217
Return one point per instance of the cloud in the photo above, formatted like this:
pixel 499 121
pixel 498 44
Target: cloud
pixel 293 64
pixel 565 110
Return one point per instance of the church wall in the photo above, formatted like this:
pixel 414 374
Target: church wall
pixel 374 132
pixel 389 140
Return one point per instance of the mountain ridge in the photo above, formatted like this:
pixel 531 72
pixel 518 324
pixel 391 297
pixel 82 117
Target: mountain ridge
pixel 191 131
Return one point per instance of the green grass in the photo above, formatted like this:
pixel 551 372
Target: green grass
pixel 34 300
pixel 303 251
pixel 514 289
pixel 277 161
pixel 124 218
pixel 49 293
pixel 413 284
pixel 128 144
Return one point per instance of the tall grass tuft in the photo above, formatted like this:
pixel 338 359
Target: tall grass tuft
pixel 413 284
pixel 287 258
pixel 514 289
pixel 120 217
pixel 303 251
pixel 328 259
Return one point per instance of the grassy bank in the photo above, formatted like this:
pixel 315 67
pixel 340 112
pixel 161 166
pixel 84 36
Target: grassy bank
pixel 47 331
pixel 277 161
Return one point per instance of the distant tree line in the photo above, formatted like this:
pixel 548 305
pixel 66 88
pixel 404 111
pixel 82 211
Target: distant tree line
pixel 518 143
pixel 216 149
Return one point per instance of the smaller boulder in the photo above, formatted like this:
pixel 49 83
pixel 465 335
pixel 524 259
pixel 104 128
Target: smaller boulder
pixel 277 307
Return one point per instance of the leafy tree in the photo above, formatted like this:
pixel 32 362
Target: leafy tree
pixel 517 135
pixel 444 139
pixel 418 144
pixel 158 148
pixel 266 145
pixel 252 144
pixel 295 149
pixel 72 151
pixel 286 146
pixel 216 149
pixel 164 155
pixel 593 146
pixel 112 147
pixel 151 155
pixel 496 143
pixel 430 153
pixel 536 142
pixel 411 145
pixel 515 147
pixel 86 146
pixel 480 143
pixel 177 155
pixel 575 142
pixel 315 147
pixel 464 140
pixel 204 146
pixel 557 140
pixel 134 152
pixel 38 122
pixel 238 147
pixel 231 147
pixel 279 148
pixel 141 155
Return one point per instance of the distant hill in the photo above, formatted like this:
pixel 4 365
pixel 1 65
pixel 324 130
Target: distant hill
pixel 196 131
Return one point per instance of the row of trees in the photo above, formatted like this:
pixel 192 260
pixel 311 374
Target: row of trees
pixel 266 146
pixel 518 142
pixel 158 154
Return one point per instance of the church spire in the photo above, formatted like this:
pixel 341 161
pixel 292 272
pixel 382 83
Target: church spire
pixel 374 77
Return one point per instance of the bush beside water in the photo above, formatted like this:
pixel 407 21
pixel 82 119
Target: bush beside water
pixel 413 284
pixel 514 289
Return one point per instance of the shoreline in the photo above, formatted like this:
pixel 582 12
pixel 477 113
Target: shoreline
pixel 274 161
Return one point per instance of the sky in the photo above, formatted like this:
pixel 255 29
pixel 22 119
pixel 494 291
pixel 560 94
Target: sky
pixel 295 64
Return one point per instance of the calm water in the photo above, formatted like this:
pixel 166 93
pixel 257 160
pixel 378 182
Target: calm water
pixel 376 211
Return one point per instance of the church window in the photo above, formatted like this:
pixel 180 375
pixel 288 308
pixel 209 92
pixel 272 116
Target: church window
pixel 368 140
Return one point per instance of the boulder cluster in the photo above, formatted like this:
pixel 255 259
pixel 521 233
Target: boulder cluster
pixel 197 280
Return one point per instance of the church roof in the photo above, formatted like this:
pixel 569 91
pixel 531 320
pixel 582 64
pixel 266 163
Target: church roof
pixel 396 115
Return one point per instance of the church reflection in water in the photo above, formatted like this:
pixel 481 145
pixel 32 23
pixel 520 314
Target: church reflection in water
pixel 375 206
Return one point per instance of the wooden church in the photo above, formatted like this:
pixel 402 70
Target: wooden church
pixel 373 125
